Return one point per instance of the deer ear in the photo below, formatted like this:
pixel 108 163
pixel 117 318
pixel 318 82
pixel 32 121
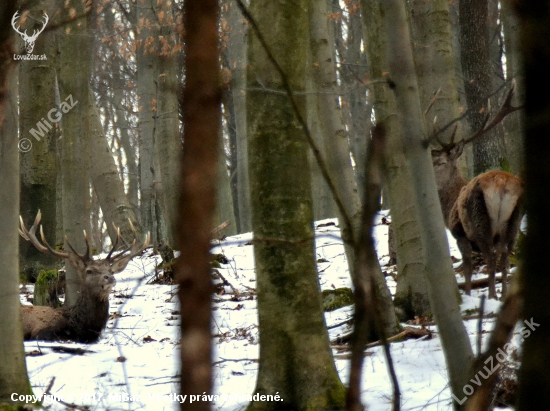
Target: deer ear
pixel 456 151
pixel 77 263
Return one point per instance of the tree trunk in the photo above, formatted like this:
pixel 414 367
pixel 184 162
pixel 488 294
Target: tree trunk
pixel 147 83
pixel 474 55
pixel 13 370
pixel 236 56
pixel 295 360
pixel 38 165
pixel 107 183
pixel 75 165
pixel 224 205
pixel 354 70
pixel 323 202
pixel 411 297
pixel 168 142
pixel 514 70
pixel 201 124
pixel 442 286
pixel 534 380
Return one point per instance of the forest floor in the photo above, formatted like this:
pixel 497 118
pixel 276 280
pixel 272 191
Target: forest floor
pixel 134 366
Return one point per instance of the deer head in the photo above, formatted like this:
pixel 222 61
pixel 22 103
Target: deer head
pixel 96 275
pixel 84 321
pixel 29 40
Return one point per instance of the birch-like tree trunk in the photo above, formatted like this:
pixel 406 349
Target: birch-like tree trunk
pixel 108 186
pixel 442 285
pixel 335 142
pixel 295 360
pixel 411 297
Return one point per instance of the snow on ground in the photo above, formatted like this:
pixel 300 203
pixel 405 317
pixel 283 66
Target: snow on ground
pixel 134 366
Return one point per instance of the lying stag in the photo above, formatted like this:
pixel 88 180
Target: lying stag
pixel 84 321
pixel 483 214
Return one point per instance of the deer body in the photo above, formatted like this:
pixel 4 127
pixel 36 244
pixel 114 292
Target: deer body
pixel 85 320
pixel 483 215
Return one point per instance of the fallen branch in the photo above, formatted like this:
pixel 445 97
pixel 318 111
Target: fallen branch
pixel 479 283
pixel 221 227
pixel 406 334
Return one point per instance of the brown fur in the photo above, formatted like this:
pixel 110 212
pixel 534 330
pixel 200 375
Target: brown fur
pixel 83 321
pixel 483 214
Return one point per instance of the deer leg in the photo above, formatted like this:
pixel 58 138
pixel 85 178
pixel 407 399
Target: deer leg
pixel 466 250
pixel 505 264
pixel 490 259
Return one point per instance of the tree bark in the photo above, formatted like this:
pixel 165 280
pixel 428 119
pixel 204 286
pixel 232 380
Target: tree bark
pixel 108 186
pixel 38 165
pixel 474 48
pixel 442 286
pixel 168 142
pixel 13 370
pixel 514 70
pixel 201 123
pixel 236 57
pixel 411 296
pixel 295 360
pixel 73 80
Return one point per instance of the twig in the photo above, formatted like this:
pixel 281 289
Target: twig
pixel 506 321
pixel 480 323
pixel 221 227
pixel 436 96
pixel 346 221
pixel 235 360
pixel 48 389
pixel 366 296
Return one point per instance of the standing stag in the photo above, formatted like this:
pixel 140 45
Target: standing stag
pixel 83 321
pixel 484 214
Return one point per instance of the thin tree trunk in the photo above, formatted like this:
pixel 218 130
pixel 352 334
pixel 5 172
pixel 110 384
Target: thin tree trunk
pixel 13 370
pixel 202 115
pixel 514 70
pixel 236 56
pixel 440 275
pixel 168 141
pixel 335 141
pixel 75 165
pixel 411 296
pixel 147 76
pixel 107 183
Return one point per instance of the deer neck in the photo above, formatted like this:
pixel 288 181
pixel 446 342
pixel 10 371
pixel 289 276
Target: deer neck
pixel 89 317
pixel 448 194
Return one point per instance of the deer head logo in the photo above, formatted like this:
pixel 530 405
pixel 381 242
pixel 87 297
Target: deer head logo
pixel 29 40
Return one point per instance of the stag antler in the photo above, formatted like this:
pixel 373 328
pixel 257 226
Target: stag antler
pixel 507 108
pixel 121 259
pixel 31 236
